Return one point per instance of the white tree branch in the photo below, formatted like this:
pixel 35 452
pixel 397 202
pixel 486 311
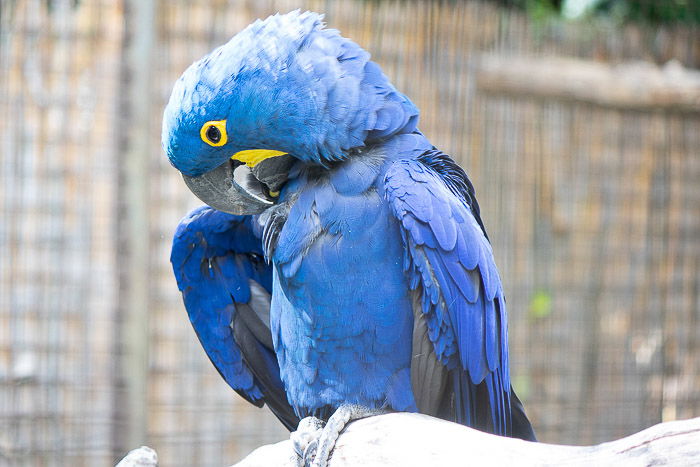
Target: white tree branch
pixel 404 439
pixel 139 457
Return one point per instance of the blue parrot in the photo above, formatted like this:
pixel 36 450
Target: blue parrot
pixel 341 262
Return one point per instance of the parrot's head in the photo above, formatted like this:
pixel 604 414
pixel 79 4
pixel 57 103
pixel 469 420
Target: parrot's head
pixel 282 91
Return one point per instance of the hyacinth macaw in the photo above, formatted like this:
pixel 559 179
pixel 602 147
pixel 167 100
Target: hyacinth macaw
pixel 341 260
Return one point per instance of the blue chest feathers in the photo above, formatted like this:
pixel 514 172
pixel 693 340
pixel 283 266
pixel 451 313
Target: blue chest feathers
pixel 341 314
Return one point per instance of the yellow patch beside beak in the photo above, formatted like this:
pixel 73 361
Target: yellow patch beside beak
pixel 253 157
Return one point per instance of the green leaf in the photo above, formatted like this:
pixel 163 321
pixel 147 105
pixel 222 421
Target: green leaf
pixel 521 386
pixel 540 305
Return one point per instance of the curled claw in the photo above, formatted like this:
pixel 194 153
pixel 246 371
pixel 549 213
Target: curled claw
pixel 337 423
pixel 305 440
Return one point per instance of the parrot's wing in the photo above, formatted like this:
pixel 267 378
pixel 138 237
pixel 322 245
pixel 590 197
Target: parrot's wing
pixel 225 283
pixel 460 368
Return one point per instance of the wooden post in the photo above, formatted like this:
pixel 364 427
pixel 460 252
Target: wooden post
pixel 131 403
pixel 633 85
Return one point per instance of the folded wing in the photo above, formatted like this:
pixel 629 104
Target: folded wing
pixel 218 262
pixel 460 367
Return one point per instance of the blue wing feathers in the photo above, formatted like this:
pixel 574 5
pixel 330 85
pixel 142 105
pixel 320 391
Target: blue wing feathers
pixel 451 259
pixel 214 256
pixel 205 280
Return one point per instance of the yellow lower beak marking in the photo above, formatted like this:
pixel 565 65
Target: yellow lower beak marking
pixel 253 157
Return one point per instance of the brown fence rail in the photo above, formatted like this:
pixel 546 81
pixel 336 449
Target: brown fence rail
pixel 593 210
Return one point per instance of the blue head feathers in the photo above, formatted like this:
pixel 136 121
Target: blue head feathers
pixel 284 84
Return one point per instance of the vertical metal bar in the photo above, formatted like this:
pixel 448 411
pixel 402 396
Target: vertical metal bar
pixel 131 405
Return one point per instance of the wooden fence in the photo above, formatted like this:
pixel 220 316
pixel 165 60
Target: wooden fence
pixel 593 210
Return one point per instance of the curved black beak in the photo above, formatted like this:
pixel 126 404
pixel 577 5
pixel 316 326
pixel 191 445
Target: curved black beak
pixel 237 188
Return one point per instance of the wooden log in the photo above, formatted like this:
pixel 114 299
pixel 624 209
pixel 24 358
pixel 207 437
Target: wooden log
pixel 634 85
pixel 404 439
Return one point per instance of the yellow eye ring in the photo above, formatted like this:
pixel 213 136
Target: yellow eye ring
pixel 214 133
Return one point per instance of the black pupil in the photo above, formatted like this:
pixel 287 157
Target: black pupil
pixel 213 134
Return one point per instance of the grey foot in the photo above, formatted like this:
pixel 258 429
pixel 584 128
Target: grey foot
pixel 329 435
pixel 305 439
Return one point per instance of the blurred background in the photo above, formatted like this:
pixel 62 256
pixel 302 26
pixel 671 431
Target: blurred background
pixel 577 120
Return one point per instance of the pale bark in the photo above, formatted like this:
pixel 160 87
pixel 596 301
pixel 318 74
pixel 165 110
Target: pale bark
pixel 140 457
pixel 404 439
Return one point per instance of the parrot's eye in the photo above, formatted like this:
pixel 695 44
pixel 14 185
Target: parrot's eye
pixel 214 133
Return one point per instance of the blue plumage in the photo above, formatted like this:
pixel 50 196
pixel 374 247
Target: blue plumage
pixel 331 96
pixel 382 289
pixel 462 296
pixel 212 278
pixel 218 264
pixel 342 293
